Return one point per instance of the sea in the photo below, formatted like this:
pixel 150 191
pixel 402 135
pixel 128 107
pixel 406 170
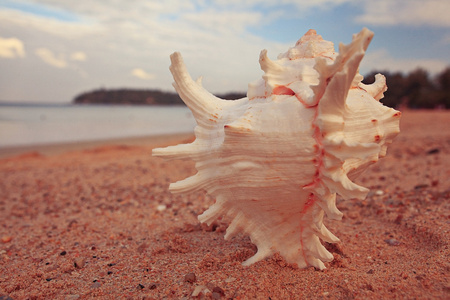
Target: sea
pixel 31 124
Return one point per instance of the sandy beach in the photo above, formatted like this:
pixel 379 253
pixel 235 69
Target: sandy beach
pixel 96 220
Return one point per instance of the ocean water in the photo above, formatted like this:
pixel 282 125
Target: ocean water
pixel 26 125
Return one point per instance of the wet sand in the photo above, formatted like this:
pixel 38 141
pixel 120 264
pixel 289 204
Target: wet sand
pixel 98 221
pixel 52 149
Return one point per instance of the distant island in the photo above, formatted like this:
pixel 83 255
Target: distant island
pixel 138 97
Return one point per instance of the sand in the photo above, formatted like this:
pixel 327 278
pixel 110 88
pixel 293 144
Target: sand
pixel 100 222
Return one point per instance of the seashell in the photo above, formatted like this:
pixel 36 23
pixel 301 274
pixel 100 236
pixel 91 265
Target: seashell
pixel 275 160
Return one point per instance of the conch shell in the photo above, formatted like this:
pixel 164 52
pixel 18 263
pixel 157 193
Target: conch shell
pixel 275 160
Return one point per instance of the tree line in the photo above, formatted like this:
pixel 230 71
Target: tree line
pixel 127 97
pixel 416 89
pixel 139 97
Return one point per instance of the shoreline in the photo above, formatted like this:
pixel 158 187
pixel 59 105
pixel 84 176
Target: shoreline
pixel 59 148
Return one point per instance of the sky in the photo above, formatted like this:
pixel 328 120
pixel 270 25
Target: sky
pixel 53 50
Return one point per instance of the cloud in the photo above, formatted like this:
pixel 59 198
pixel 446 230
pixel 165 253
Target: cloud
pixel 145 33
pixel 219 39
pixel 11 48
pixel 411 13
pixel 50 58
pixel 304 4
pixel 381 60
pixel 78 56
pixel 141 74
pixel 224 22
pixel 59 28
pixel 59 61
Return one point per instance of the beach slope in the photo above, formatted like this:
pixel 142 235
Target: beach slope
pixel 100 222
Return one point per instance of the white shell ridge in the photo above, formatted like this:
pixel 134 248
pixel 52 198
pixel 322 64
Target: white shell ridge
pixel 275 160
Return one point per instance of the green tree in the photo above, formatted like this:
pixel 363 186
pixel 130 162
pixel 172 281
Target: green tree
pixel 419 89
pixel 395 94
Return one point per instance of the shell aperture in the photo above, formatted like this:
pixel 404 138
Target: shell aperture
pixel 275 160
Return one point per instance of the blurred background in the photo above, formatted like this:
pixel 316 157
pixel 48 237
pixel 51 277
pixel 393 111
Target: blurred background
pixel 99 51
